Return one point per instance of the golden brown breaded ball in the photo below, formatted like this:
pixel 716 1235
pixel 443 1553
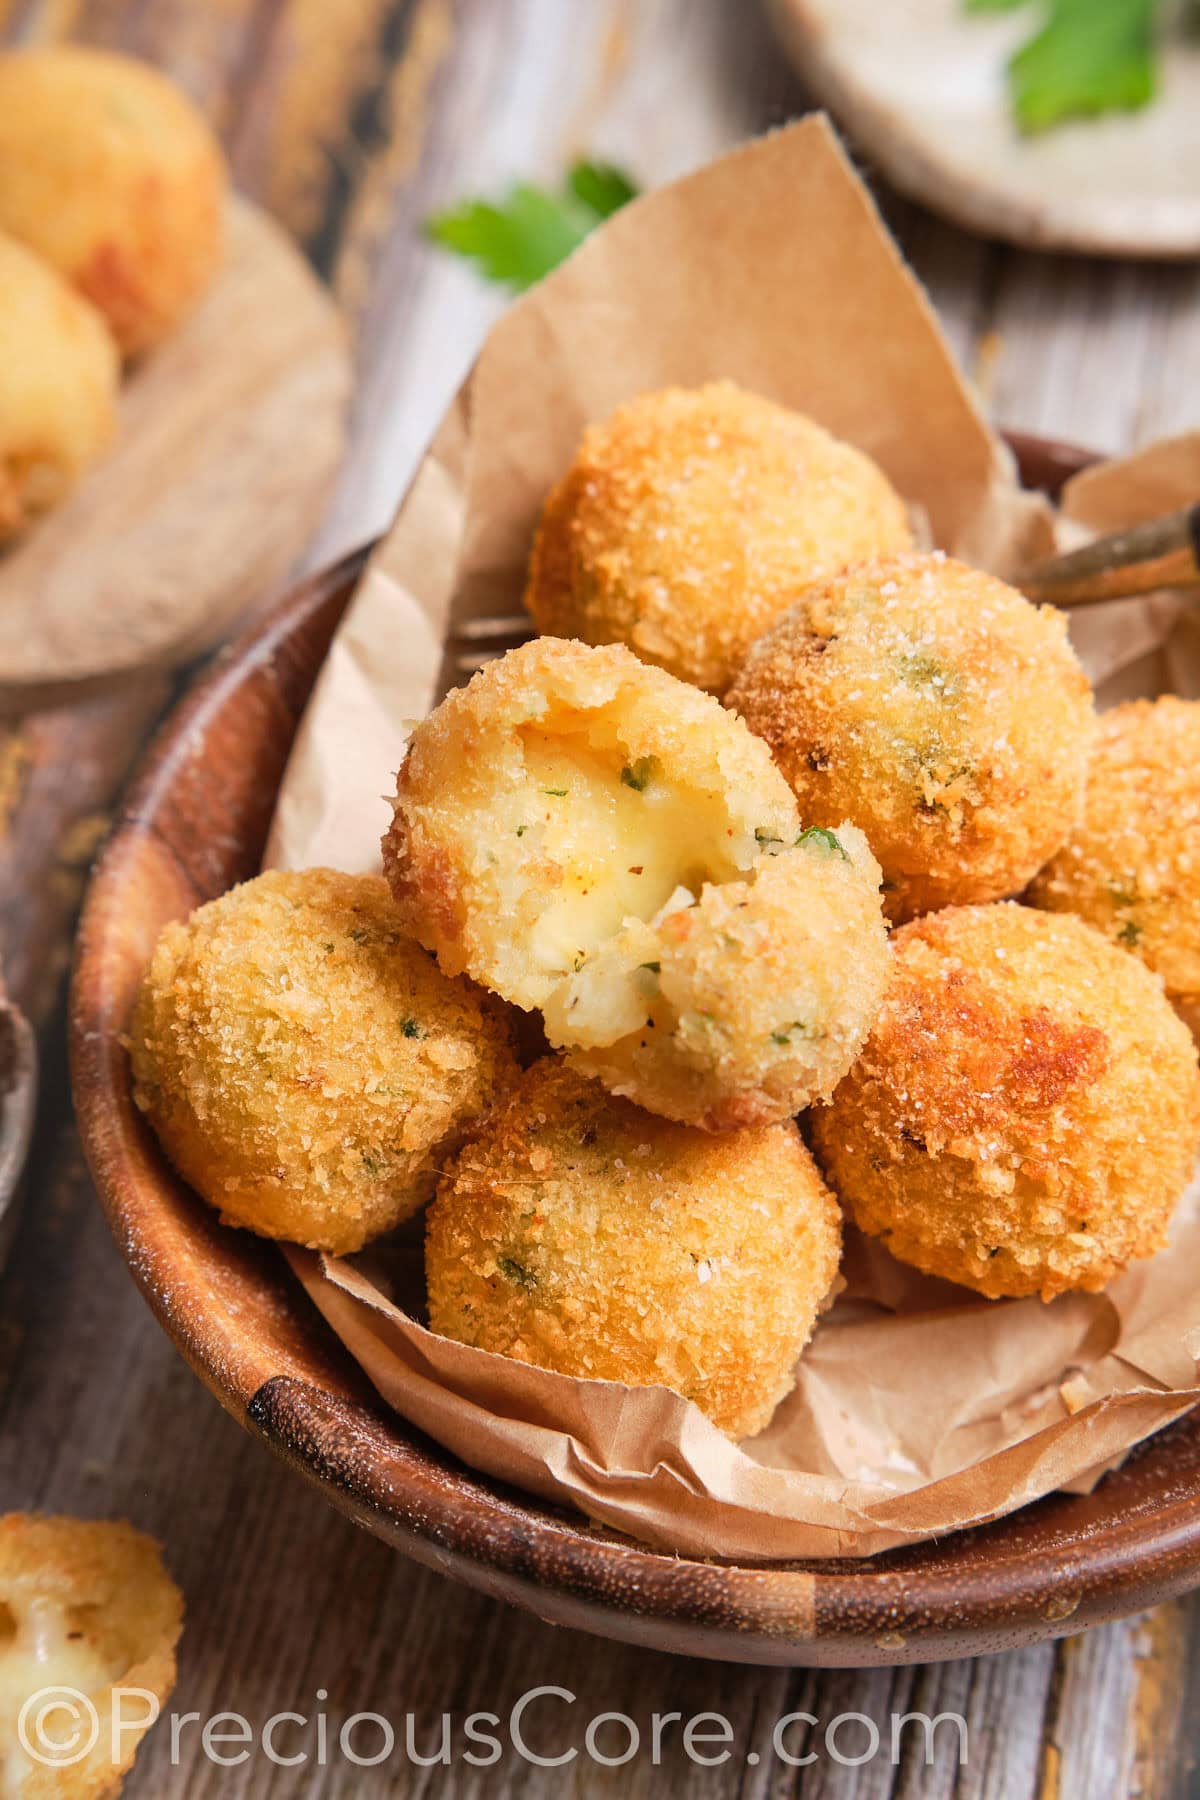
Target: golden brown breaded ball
pixel 690 517
pixel 306 1066
pixel 594 840
pixel 1131 866
pixel 111 174
pixel 87 1606
pixel 1026 1113
pixel 58 387
pixel 939 710
pixel 581 1234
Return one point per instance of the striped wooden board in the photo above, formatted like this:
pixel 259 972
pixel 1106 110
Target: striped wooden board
pixel 351 119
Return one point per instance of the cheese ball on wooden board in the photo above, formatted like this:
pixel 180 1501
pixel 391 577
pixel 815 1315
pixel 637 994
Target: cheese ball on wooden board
pixel 59 372
pixel 112 175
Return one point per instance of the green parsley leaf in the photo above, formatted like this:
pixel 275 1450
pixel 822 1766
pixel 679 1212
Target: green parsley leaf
pixel 1091 56
pixel 410 1029
pixel 1087 57
pixel 602 187
pixel 531 231
pixel 637 775
pixel 516 1272
pixel 786 1032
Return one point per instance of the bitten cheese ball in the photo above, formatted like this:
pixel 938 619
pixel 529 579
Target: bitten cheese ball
pixel 1131 866
pixel 1026 1113
pixel 582 1234
pixel 689 519
pixel 939 710
pixel 111 174
pixel 58 387
pixel 306 1066
pixel 85 1608
pixel 600 843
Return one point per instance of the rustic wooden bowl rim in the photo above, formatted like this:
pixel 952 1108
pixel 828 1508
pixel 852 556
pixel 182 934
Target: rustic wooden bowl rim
pixel 194 822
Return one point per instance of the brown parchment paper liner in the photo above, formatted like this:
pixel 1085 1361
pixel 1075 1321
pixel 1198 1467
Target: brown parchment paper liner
pixel 918 1408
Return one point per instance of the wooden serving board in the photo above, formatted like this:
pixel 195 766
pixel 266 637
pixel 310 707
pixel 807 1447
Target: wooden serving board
pixel 230 434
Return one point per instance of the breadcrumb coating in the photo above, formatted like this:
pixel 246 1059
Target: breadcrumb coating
pixel 581 1234
pixel 1026 1113
pixel 939 710
pixel 689 519
pixel 85 1606
pixel 113 176
pixel 1131 866
pixel 306 1066
pixel 59 371
pixel 596 841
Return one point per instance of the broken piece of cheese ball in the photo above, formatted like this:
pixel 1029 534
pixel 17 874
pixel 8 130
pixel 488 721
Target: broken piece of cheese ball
pixel 59 371
pixel 689 519
pixel 304 1064
pixel 1026 1113
pixel 938 709
pixel 85 1607
pixel 1131 866
pixel 597 841
pixel 579 1233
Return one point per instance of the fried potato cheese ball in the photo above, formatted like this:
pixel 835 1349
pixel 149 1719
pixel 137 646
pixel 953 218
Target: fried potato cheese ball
pixel 85 1608
pixel 937 708
pixel 1026 1113
pixel 582 1234
pixel 58 387
pixel 596 841
pixel 1131 866
pixel 690 517
pixel 305 1065
pixel 112 175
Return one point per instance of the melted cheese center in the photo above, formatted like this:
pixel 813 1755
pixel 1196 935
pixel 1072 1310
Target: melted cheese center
pixel 47 1649
pixel 625 838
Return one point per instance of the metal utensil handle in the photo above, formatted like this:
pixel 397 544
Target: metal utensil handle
pixel 1162 553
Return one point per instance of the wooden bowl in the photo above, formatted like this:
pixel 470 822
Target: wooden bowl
pixel 195 823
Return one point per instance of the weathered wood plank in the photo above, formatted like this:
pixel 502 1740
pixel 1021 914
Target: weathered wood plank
pixel 355 118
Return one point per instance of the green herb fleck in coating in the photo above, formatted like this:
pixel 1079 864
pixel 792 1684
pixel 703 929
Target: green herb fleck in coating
pixel 516 1272
pixel 825 843
pixel 639 774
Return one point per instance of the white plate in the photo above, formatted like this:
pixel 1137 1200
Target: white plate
pixel 921 86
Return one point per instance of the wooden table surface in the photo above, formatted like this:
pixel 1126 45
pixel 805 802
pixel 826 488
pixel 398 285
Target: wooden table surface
pixel 352 119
